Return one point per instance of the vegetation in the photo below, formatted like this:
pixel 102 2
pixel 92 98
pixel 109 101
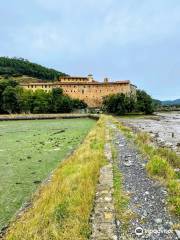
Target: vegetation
pixel 161 164
pixel 175 102
pixel 29 151
pixel 15 67
pixel 61 209
pixel 121 104
pixel 15 99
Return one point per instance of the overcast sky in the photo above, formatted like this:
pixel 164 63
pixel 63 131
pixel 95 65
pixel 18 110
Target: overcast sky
pixel 137 40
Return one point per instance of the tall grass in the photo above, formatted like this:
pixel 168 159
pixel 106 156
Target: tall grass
pixel 61 209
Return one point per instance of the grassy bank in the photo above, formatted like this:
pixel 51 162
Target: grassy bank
pixel 29 151
pixel 161 164
pixel 61 209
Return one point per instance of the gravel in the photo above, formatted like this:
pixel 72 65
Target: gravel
pixel 148 197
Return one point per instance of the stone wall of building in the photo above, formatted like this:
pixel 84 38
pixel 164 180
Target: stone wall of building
pixel 91 92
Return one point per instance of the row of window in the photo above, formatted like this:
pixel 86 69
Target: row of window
pixel 46 86
pixel 49 86
pixel 73 80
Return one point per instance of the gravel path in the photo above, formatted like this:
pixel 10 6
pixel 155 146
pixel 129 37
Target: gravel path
pixel 148 197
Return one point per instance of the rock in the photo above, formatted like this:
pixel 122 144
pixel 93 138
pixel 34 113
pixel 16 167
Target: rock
pixel 168 144
pixel 177 233
pixel 146 193
pixel 118 223
pixel 164 192
pixel 128 164
pixel 108 199
pixel 114 237
pixel 167 226
pixel 108 216
pixel 158 220
pixel 145 214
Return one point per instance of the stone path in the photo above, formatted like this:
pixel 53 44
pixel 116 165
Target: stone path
pixel 148 197
pixel 103 218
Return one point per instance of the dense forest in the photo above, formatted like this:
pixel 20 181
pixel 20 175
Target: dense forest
pixel 16 67
pixel 15 99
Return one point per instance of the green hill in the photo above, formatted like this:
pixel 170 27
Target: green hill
pixel 171 102
pixel 19 67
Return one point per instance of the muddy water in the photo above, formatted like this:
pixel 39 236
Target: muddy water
pixel 166 129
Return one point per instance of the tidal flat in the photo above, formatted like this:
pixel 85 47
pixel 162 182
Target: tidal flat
pixel 164 127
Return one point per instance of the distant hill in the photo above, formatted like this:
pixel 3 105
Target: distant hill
pixel 17 67
pixel 171 102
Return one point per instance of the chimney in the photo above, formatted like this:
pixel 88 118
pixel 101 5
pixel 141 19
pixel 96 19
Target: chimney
pixel 106 80
pixel 90 77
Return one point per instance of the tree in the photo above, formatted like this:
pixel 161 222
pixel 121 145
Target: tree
pixel 19 66
pixel 15 99
pixel 130 103
pixel 144 102
pixel 121 104
pixel 40 102
pixel 55 101
pixel 79 104
pixel 10 101
pixel 26 102
pixel 115 104
pixel 3 85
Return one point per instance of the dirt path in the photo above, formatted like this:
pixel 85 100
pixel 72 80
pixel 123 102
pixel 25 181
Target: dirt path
pixel 148 197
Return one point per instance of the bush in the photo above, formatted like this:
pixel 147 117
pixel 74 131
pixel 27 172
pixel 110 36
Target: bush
pixel 121 104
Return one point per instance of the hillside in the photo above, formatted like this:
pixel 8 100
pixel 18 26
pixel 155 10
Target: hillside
pixel 171 102
pixel 21 68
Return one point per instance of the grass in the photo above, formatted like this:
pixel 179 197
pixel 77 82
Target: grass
pixel 161 164
pixel 61 209
pixel 29 151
